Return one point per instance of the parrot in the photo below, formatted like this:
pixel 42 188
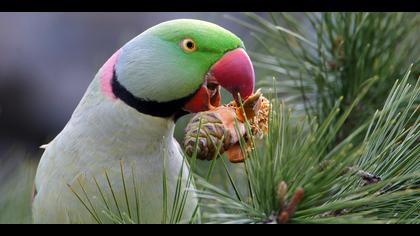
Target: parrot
pixel 117 155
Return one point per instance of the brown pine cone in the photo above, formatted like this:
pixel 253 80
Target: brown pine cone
pixel 220 124
pixel 216 125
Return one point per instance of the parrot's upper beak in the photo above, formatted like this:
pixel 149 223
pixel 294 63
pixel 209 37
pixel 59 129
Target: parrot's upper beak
pixel 234 72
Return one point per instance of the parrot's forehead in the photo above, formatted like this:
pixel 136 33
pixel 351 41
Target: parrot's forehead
pixel 208 36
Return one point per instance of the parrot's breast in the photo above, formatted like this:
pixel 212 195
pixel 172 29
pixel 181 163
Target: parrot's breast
pixel 112 159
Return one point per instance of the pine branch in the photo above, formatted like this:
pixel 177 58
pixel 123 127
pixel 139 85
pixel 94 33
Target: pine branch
pixel 320 187
pixel 324 56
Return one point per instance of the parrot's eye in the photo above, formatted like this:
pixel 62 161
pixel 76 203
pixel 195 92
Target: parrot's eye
pixel 188 45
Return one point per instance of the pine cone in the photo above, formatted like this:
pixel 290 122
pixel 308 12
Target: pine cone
pixel 215 126
pixel 220 124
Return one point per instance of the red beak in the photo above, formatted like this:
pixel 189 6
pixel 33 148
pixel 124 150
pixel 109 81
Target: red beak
pixel 234 72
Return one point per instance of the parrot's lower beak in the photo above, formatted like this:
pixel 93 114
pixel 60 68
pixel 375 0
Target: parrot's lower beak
pixel 234 72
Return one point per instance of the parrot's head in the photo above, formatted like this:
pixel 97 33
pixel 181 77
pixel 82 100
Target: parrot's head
pixel 178 67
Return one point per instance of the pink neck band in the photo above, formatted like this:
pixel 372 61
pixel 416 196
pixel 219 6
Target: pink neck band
pixel 105 78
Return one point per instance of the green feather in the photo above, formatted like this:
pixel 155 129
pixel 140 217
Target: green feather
pixel 154 61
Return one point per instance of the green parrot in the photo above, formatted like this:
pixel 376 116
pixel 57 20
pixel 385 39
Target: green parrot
pixel 111 157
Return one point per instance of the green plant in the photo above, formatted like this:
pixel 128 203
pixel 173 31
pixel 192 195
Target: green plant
pixel 320 57
pixel 105 206
pixel 17 173
pixel 293 177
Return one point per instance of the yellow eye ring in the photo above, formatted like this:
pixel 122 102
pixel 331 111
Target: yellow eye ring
pixel 188 45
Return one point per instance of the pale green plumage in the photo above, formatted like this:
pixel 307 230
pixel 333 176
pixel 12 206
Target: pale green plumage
pixel 102 131
pixel 86 149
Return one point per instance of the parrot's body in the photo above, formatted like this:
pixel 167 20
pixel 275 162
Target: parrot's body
pixel 140 141
pixel 126 121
